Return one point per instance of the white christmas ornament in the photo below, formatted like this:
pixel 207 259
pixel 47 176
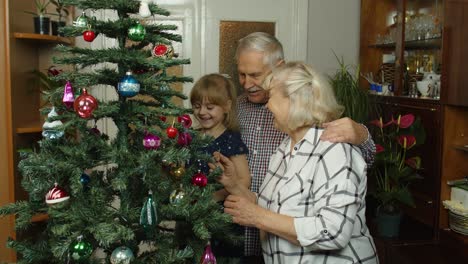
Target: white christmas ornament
pixel 52 130
pixel 144 7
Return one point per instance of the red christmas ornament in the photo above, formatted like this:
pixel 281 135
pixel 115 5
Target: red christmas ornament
pixel 185 120
pixel 85 104
pixel 159 50
pixel 162 50
pixel 89 35
pixel 199 179
pixel 56 195
pixel 52 71
pixel 172 132
pixel 163 118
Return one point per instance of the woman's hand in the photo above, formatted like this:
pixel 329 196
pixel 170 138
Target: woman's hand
pixel 243 211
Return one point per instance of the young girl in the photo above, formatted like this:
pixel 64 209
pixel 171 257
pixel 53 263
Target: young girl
pixel 213 102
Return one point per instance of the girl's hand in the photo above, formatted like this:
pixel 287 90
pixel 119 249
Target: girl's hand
pixel 229 176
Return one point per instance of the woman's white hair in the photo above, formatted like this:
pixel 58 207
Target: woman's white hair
pixel 312 100
pixel 262 42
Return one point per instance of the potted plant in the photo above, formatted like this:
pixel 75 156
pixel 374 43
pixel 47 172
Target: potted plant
pixel 62 12
pixel 348 93
pixel 41 22
pixel 394 169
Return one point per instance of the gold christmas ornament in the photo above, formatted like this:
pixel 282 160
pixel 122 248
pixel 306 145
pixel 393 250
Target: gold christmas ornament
pixel 177 172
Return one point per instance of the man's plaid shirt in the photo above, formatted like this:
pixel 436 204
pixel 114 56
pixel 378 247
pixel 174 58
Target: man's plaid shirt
pixel 262 140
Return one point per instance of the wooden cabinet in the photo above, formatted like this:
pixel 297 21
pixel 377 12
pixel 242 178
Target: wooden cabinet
pixel 425 191
pixel 455 53
pixel 20 100
pixel 400 40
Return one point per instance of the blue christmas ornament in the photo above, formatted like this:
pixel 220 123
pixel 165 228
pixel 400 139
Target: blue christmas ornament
pixel 85 179
pixel 128 86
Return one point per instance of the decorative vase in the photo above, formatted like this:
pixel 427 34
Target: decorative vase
pixel 388 225
pixel 41 25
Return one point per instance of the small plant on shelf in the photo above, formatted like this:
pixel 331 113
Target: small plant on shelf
pixel 41 22
pixel 61 9
pixel 61 12
pixel 41 8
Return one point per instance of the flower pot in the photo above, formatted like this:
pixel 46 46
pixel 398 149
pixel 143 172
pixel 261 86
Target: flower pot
pixel 41 25
pixel 55 25
pixel 388 225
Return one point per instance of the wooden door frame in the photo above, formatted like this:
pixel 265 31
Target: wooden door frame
pixel 7 189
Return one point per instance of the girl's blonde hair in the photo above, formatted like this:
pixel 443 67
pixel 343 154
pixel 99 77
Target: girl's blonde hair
pixel 312 100
pixel 218 90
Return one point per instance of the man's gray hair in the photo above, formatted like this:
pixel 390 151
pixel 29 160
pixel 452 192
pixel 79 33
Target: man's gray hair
pixel 262 42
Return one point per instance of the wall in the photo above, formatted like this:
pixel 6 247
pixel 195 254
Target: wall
pixel 333 26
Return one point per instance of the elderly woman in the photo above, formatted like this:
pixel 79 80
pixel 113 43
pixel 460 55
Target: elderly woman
pixel 311 205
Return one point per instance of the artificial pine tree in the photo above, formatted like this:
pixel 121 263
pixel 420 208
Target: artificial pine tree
pixel 121 196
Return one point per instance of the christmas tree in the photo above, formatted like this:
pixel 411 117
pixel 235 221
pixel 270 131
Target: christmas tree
pixel 136 198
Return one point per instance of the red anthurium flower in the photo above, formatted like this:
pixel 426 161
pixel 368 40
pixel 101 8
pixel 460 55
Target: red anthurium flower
pixel 389 122
pixel 406 121
pixel 377 122
pixel 414 162
pixel 406 141
pixel 378 148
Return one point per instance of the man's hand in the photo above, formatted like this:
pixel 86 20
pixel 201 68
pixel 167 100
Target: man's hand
pixel 344 130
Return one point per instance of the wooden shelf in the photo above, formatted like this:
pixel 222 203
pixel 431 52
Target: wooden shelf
pixel 44 38
pixel 39 218
pixel 434 43
pixel 29 129
pixel 462 148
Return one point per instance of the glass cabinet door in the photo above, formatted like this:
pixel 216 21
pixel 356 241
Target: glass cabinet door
pixel 401 44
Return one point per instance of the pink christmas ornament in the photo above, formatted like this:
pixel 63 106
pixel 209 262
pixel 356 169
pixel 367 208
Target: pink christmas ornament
pixel 208 256
pixel 56 195
pixel 68 96
pixel 151 141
